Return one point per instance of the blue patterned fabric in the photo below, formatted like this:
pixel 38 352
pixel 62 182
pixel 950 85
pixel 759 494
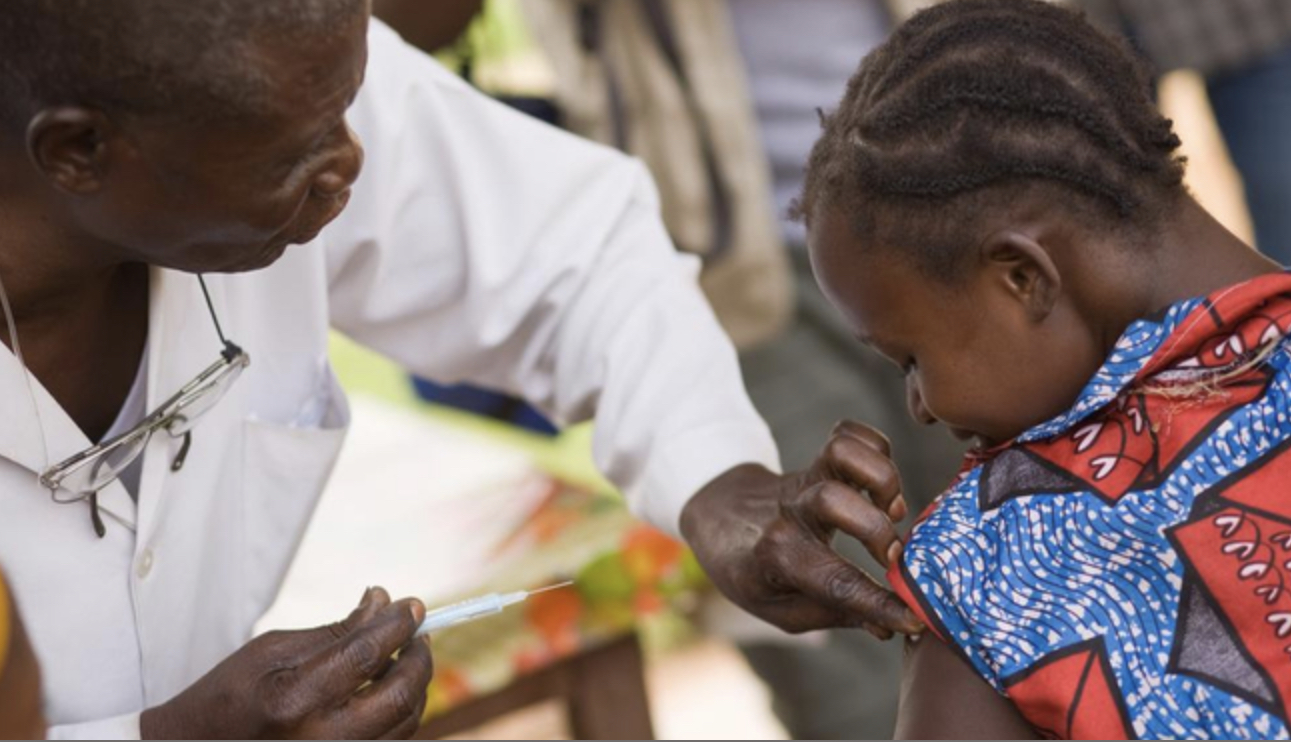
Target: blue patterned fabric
pixel 1117 571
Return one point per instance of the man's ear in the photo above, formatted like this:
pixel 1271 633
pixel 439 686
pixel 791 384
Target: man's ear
pixel 1024 270
pixel 69 145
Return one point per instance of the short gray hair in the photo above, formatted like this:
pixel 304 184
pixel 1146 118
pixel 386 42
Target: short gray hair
pixel 181 57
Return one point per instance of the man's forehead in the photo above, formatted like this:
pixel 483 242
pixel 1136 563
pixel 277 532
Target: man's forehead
pixel 317 77
pixel 209 62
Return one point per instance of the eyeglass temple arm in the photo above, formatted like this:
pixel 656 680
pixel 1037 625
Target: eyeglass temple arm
pixel 231 350
pixel 96 517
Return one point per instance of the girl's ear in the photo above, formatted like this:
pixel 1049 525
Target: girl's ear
pixel 1024 270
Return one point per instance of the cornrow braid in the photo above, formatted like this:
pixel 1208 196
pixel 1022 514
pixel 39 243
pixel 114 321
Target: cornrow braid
pixel 974 102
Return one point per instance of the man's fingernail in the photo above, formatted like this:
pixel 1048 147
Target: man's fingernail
pixel 913 624
pixel 898 510
pixel 418 611
pixel 894 553
pixel 367 598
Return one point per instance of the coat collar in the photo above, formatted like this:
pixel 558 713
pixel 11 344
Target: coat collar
pixel 28 408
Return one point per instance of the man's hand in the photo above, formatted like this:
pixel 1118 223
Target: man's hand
pixel 765 539
pixel 333 682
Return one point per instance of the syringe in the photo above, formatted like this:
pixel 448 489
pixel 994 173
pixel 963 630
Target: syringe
pixel 469 610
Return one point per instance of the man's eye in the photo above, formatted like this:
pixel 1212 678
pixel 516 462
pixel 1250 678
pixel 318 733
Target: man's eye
pixel 310 153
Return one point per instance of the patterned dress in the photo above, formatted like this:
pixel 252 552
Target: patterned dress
pixel 1124 570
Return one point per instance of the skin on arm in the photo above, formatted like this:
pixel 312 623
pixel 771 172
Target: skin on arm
pixel 942 697
pixel 429 26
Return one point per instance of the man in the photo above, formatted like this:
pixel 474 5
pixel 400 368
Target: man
pixel 165 439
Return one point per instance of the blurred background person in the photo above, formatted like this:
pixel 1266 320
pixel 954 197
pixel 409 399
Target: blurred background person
pixel 799 56
pixel 720 98
pixel 431 26
pixel 1242 49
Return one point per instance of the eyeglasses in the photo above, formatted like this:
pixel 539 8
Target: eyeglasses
pixel 85 474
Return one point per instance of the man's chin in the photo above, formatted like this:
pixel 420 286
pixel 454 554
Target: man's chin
pixel 271 254
pixel 243 261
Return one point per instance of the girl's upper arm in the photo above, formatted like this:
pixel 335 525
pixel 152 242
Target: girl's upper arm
pixel 942 697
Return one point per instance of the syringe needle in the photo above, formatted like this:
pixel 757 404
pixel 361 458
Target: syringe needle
pixel 549 588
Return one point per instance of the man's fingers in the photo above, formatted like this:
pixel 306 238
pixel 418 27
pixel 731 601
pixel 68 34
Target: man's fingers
pixel 865 434
pixel 833 506
pixel 405 730
pixel 853 596
pixel 800 615
pixel 373 601
pixel 294 647
pixel 359 656
pixel 803 614
pixel 812 587
pixel 394 703
pixel 859 463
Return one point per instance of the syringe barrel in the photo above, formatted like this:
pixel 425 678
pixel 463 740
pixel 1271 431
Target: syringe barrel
pixel 468 610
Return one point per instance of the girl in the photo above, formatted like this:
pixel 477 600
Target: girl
pixel 998 208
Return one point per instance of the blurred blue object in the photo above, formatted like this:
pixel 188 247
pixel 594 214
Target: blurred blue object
pixel 486 403
pixel 1253 108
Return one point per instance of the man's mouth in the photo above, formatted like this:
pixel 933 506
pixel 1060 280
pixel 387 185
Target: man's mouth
pixel 332 210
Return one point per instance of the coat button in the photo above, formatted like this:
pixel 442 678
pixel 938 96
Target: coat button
pixel 144 567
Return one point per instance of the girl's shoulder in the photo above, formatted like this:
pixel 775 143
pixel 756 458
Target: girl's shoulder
pixel 1133 573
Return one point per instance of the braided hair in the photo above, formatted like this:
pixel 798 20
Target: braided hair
pixel 975 103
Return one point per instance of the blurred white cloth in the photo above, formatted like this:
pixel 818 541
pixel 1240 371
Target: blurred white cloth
pixel 439 500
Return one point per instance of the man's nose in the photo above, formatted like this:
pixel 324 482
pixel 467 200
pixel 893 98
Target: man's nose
pixel 343 168
pixel 914 401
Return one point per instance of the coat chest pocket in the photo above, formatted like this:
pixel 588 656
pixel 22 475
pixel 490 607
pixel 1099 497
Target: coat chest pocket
pixel 286 468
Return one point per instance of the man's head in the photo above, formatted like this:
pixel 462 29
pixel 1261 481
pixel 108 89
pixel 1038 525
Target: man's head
pixel 962 195
pixel 200 135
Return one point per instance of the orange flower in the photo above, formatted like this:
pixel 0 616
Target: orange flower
pixel 450 688
pixel 531 660
pixel 649 555
pixel 556 615
pixel 648 602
